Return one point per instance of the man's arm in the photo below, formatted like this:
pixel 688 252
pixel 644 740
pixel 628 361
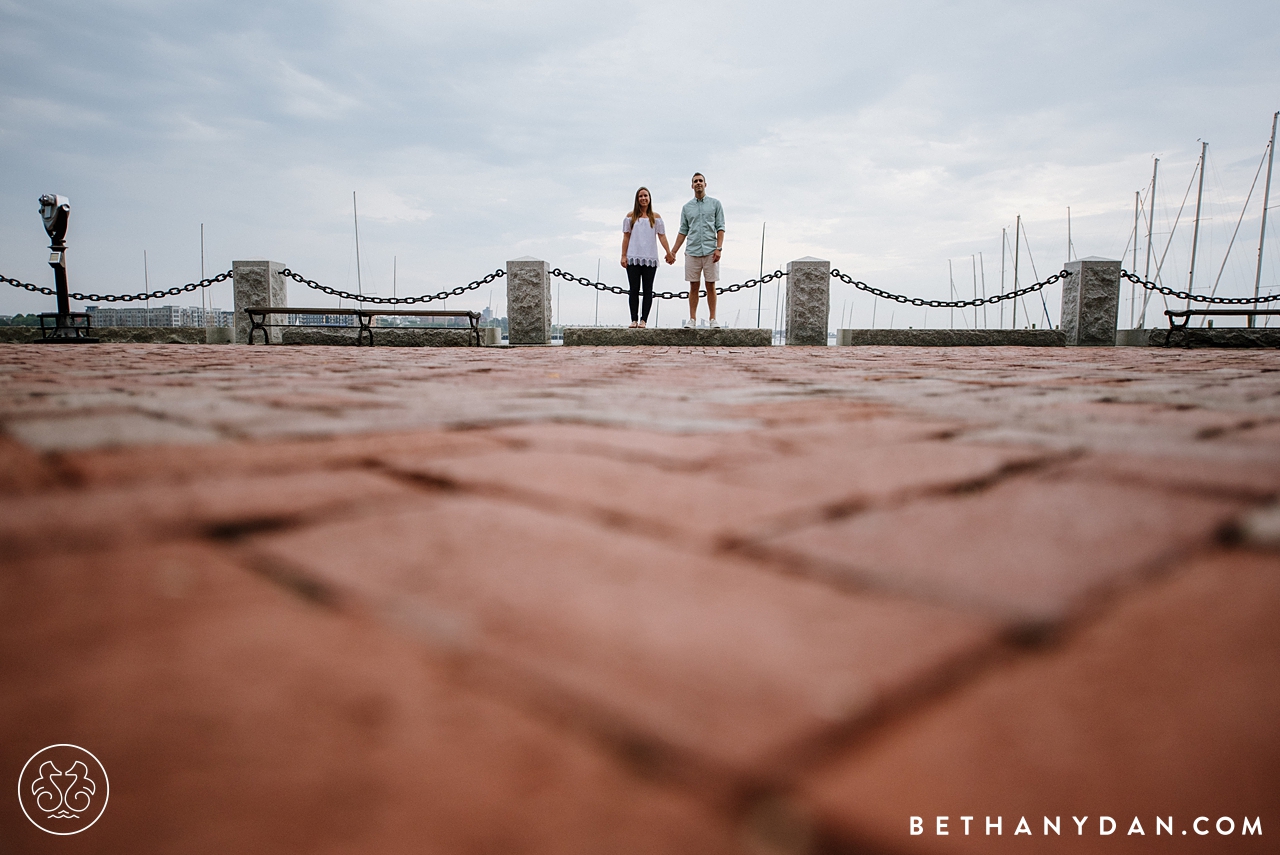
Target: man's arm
pixel 719 244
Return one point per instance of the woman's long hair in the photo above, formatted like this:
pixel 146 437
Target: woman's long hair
pixel 635 208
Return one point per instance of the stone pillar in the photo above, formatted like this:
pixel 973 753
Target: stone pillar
pixel 808 301
pixel 528 301
pixel 1091 302
pixel 257 283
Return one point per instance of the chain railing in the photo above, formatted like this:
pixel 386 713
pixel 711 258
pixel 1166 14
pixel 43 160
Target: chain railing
pixel 391 301
pixel 949 304
pixel 666 295
pixel 122 298
pixel 1198 298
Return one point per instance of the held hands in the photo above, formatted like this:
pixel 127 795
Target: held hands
pixel 671 257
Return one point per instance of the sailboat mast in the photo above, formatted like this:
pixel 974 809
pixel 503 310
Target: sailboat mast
pixel 1266 198
pixel 1069 246
pixel 1133 294
pixel 1017 248
pixel 974 260
pixel 952 279
pixel 1004 250
pixel 355 215
pixel 760 292
pixel 1195 232
pixel 983 269
pixel 1151 218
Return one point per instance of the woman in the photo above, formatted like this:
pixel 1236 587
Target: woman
pixel 641 231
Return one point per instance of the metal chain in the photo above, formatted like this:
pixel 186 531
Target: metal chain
pixel 36 288
pixel 122 298
pixel 667 295
pixel 1199 298
pixel 949 304
pixel 424 298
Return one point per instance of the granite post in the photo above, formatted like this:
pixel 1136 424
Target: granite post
pixel 257 283
pixel 808 300
pixel 1091 302
pixel 528 301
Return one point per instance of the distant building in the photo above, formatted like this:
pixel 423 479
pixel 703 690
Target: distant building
pixel 159 316
pixel 486 315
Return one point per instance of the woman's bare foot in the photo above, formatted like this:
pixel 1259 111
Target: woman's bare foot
pixel 641 324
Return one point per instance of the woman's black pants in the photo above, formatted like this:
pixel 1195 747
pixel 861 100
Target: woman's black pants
pixel 637 275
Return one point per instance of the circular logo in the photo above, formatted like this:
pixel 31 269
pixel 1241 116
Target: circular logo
pixel 63 789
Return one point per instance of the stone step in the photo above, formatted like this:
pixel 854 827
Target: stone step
pixel 952 338
pixel 666 337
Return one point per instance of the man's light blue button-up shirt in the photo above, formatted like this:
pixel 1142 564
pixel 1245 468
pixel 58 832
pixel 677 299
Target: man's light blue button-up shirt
pixel 700 219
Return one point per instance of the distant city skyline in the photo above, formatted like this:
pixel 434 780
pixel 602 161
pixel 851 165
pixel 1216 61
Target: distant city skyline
pixel 890 140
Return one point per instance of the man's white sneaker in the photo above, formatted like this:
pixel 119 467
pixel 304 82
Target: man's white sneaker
pixel 715 325
pixel 687 323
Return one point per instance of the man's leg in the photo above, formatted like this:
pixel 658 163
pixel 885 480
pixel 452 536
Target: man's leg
pixel 693 300
pixel 711 299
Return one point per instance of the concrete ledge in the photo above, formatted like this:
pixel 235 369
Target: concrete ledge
pixel 131 335
pixel 666 337
pixel 1139 338
pixel 382 336
pixel 952 338
pixel 1217 337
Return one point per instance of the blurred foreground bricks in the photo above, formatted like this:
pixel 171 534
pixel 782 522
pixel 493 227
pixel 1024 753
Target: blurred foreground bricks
pixel 613 601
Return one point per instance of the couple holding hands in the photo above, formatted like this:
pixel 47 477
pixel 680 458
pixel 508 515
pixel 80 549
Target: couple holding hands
pixel 701 224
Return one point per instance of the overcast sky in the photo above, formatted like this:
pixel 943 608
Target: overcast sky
pixel 890 138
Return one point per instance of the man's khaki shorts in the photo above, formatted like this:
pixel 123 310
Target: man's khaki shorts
pixel 696 267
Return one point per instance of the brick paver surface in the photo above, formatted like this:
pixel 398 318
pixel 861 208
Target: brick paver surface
pixel 770 600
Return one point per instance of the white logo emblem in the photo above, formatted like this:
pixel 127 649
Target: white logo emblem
pixel 63 789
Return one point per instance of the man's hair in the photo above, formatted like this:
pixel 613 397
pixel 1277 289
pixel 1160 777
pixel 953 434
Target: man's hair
pixel 699 175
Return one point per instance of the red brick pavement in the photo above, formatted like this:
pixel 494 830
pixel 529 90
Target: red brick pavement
pixel 613 600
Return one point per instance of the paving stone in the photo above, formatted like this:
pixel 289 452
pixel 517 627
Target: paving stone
pixel 69 520
pixel 630 495
pixel 666 450
pixel 1260 528
pixel 172 463
pixel 22 470
pixel 1165 706
pixel 103 430
pixel 1225 471
pixel 233 716
pixel 708 663
pixel 1029 548
pixel 850 473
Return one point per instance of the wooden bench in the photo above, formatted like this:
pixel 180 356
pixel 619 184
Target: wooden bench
pixel 1187 314
pixel 258 316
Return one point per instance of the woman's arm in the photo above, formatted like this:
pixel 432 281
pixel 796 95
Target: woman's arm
pixel 626 241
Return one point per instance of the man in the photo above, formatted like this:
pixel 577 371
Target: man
pixel 702 223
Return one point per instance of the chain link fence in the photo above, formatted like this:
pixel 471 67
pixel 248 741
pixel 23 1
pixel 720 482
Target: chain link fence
pixel 948 304
pixel 658 295
pixel 666 295
pixel 1197 298
pixel 395 301
pixel 121 298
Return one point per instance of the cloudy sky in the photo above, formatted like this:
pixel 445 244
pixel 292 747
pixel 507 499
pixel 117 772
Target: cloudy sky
pixel 890 138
